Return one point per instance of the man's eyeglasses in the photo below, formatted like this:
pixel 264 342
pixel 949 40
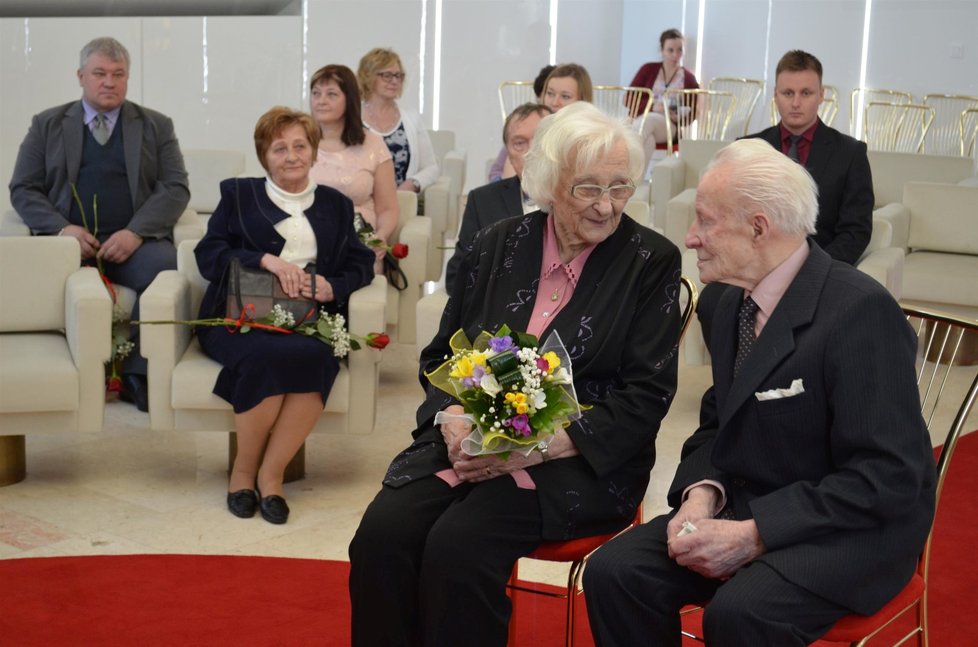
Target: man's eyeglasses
pixel 594 192
pixel 391 76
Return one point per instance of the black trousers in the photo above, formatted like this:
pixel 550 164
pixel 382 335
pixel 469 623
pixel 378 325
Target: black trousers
pixel 634 592
pixel 429 563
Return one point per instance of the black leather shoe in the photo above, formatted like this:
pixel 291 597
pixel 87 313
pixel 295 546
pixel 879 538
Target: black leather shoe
pixel 242 503
pixel 135 391
pixel 274 509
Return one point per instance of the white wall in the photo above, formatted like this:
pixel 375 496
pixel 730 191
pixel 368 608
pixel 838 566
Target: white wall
pixel 214 76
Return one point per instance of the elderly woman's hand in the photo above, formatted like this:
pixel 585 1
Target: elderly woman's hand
pixel 324 290
pixel 453 432
pixel 290 275
pixel 482 468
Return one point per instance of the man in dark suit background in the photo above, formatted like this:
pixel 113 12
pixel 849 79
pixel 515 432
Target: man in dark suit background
pixel 837 162
pixel 808 490
pixel 495 201
pixel 124 157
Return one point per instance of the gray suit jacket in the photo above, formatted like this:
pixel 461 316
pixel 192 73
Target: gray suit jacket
pixel 840 479
pixel 485 206
pixel 50 157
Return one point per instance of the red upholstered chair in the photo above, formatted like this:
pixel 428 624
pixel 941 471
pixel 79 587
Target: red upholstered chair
pixel 943 342
pixel 576 551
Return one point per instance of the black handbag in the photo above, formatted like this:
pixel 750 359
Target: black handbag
pixel 261 290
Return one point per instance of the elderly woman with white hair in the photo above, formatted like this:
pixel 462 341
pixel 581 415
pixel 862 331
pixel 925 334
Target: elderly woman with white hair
pixel 435 548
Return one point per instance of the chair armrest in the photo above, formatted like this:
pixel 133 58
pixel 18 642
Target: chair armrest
pixel 367 307
pixel 429 312
pixel 166 299
pixel 436 201
pixel 88 329
pixel 694 348
pixel 12 225
pixel 886 266
pixel 190 226
pixel 453 165
pixel 899 218
pixel 668 179
pixel 680 212
pixel 638 209
pixel 366 316
pixel 424 259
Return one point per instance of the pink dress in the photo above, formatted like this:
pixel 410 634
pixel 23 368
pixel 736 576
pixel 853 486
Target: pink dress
pixel 351 171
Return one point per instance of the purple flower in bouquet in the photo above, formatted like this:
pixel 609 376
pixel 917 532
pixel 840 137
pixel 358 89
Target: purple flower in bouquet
pixel 476 378
pixel 521 423
pixel 501 344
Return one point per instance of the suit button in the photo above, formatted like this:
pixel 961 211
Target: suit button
pixel 739 482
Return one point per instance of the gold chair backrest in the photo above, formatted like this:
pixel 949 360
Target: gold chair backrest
pixel 894 127
pixel 629 104
pixel 689 307
pixel 968 129
pixel 944 342
pixel 944 136
pixel 859 98
pixel 747 92
pixel 698 114
pixel 513 94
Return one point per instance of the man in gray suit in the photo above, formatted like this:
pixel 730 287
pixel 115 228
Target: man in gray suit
pixel 110 174
pixel 504 198
pixel 808 490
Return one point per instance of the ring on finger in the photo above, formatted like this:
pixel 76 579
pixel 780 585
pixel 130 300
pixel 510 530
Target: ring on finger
pixel 488 472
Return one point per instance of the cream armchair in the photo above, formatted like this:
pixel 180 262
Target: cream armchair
pixel 415 232
pixel 679 175
pixel 441 199
pixel 937 226
pixel 181 377
pixel 55 337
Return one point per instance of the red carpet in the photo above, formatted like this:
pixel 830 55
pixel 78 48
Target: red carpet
pixel 157 600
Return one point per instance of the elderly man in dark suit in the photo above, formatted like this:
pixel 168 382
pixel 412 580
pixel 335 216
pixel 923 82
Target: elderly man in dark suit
pixel 498 200
pixel 808 490
pixel 115 153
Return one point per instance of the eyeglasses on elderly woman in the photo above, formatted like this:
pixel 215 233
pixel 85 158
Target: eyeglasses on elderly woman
pixel 391 76
pixel 594 192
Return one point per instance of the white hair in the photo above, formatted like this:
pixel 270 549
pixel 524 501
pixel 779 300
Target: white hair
pixel 763 179
pixel 578 128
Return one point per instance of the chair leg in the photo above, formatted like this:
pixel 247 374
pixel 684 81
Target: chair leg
pixel 512 597
pixel 13 459
pixel 573 580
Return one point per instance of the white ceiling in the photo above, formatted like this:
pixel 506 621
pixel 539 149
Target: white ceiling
pixel 59 8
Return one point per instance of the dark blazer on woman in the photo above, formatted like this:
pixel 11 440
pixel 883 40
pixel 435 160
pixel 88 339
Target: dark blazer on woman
pixel 840 167
pixel 839 478
pixel 243 226
pixel 620 329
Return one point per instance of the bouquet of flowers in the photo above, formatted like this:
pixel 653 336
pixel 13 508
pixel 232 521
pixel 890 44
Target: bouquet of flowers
pixel 327 328
pixel 515 392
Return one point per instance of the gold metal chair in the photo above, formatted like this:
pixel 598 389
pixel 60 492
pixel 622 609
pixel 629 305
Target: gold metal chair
pixel 894 127
pixel 577 551
pixel 747 92
pixel 942 341
pixel 944 136
pixel 623 102
pixel 968 129
pixel 513 94
pixel 859 98
pixel 699 114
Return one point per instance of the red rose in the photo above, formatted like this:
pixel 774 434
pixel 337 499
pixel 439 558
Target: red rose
pixel 399 250
pixel 378 340
pixel 114 385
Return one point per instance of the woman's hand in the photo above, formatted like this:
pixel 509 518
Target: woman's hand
pixel 408 185
pixel 290 276
pixel 453 432
pixel 474 469
pixel 324 290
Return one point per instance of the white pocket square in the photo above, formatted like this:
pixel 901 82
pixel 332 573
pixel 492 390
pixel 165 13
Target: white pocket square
pixel 796 388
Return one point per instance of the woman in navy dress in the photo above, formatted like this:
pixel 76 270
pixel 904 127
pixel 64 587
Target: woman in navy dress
pixel 277 384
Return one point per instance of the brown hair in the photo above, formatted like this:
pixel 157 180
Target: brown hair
pixel 522 112
pixel 353 134
pixel 372 62
pixel 670 34
pixel 274 122
pixel 585 91
pixel 798 61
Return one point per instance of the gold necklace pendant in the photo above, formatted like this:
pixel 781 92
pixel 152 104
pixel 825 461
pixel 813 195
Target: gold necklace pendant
pixel 555 295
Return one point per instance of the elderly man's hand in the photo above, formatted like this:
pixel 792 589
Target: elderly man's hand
pixel 717 548
pixel 120 246
pixel 89 243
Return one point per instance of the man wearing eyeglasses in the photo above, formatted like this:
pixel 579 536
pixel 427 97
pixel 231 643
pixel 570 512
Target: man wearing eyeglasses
pixel 503 199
